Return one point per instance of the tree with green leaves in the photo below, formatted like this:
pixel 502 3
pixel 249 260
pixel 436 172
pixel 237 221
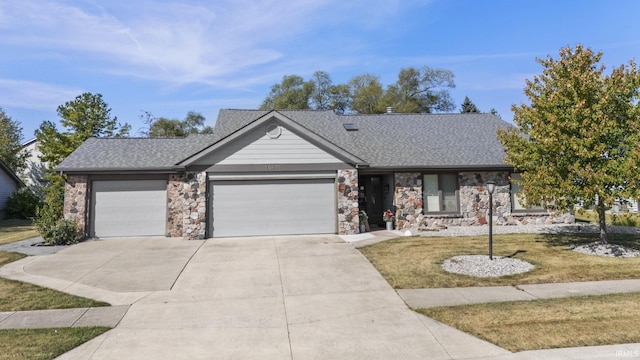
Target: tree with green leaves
pixel 84 117
pixel 423 90
pixel 293 93
pixel 366 94
pixel 193 123
pixel 579 138
pixel 468 106
pixel 11 143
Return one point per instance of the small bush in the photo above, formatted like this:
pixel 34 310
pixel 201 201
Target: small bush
pixel 54 229
pixel 22 204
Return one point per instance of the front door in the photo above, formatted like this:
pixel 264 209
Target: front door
pixel 374 199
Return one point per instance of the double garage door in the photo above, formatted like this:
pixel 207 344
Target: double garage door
pixel 273 207
pixel 237 208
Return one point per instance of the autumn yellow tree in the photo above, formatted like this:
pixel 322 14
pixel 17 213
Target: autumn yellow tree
pixel 579 138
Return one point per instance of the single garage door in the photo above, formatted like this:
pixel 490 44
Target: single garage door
pixel 129 208
pixel 273 207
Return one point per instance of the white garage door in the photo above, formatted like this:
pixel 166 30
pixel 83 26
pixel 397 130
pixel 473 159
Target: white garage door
pixel 273 207
pixel 129 208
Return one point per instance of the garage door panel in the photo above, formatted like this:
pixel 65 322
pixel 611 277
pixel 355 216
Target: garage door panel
pixel 274 207
pixel 129 208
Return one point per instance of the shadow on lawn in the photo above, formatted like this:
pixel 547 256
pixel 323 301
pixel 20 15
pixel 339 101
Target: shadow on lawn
pixel 567 239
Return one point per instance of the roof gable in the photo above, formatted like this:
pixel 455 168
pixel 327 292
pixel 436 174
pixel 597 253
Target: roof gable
pixel 234 134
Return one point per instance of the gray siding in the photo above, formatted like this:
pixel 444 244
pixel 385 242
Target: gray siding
pixel 258 148
pixel 7 186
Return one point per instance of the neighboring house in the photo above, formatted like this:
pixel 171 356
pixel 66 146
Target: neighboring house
pixel 34 171
pixel 9 182
pixel 295 172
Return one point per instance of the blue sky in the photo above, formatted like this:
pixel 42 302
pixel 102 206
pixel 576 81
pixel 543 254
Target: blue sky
pixel 171 57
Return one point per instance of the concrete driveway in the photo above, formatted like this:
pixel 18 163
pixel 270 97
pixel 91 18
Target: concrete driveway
pixel 298 297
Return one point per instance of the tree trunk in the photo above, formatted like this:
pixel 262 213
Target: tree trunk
pixel 603 224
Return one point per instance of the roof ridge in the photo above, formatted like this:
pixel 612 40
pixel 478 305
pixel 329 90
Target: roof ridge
pixel 140 137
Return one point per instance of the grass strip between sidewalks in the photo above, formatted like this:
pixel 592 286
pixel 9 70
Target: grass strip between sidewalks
pixel 44 344
pixel 551 323
pixel 39 344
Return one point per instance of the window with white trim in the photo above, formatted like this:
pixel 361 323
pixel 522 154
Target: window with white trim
pixel 440 193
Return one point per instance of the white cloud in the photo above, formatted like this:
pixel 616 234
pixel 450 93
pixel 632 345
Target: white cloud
pixel 34 95
pixel 175 42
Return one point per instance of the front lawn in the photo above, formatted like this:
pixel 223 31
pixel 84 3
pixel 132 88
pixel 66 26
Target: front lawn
pixel 44 344
pixel 17 296
pixel 610 219
pixel 415 262
pixel 40 343
pixel 16 230
pixel 552 323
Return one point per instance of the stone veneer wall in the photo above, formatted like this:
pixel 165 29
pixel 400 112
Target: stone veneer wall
pixel 187 205
pixel 408 201
pixel 474 204
pixel 347 194
pixel 75 200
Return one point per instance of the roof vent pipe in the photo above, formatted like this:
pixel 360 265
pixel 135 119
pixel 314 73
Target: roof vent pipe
pixel 389 109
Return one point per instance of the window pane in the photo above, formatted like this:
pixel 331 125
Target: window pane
pixel 430 193
pixel 517 198
pixel 449 187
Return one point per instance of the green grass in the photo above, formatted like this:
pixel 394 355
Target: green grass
pixel 44 344
pixel 611 219
pixel 552 323
pixel 415 262
pixel 16 230
pixel 39 343
pixel 18 296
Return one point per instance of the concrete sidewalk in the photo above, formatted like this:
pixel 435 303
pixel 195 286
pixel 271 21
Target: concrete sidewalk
pixel 424 298
pixel 108 316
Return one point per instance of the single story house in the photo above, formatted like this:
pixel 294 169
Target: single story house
pixel 296 172
pixel 9 182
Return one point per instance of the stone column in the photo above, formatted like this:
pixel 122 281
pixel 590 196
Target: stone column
pixel 408 201
pixel 75 200
pixel 187 205
pixel 174 205
pixel 347 194
pixel 195 206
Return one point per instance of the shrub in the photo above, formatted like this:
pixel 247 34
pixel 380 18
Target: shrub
pixel 54 229
pixel 22 204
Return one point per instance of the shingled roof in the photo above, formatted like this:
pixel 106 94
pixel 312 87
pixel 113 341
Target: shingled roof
pixel 145 154
pixel 397 140
pixel 381 141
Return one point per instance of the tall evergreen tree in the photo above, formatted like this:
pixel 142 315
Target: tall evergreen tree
pixel 468 106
